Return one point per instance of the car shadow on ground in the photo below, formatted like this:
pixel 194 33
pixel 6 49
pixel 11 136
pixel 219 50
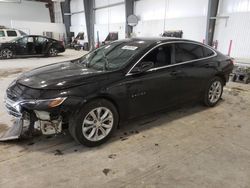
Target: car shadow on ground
pixel 64 144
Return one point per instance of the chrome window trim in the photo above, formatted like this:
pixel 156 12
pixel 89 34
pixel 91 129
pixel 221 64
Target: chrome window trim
pixel 184 62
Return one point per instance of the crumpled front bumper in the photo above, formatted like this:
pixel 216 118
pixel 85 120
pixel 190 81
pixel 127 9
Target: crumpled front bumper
pixel 13 132
pixel 14 117
pixel 25 123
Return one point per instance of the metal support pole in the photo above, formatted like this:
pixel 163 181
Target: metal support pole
pixel 212 12
pixel 129 9
pixel 90 20
pixel 66 17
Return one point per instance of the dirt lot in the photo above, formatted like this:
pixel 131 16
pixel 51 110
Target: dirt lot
pixel 194 146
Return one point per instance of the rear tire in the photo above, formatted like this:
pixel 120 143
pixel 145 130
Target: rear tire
pixel 52 52
pixel 94 123
pixel 213 91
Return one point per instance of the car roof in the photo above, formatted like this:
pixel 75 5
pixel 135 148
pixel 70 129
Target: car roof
pixel 36 36
pixel 156 40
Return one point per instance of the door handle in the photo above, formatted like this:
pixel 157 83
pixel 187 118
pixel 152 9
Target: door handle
pixel 175 72
pixel 208 65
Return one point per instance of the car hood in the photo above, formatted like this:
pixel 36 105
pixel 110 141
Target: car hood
pixel 59 76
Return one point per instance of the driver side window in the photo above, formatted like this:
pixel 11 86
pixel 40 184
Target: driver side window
pixel 160 56
pixel 23 41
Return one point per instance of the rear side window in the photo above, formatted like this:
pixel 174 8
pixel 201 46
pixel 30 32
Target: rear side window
pixel 2 34
pixel 23 41
pixel 187 52
pixel 40 40
pixel 11 33
pixel 207 52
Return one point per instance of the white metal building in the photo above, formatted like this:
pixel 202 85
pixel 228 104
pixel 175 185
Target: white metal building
pixel 156 16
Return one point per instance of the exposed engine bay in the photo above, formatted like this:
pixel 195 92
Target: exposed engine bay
pixel 27 123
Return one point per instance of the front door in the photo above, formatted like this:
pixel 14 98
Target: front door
pixel 154 89
pixel 21 46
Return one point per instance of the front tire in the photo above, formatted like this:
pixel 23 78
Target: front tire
pixel 213 92
pixel 95 123
pixel 6 54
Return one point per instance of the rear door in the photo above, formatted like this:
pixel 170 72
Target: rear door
pixel 40 44
pixel 193 68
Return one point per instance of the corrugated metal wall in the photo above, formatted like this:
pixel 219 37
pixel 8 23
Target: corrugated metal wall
pixel 156 16
pixel 78 23
pixel 235 28
pixel 111 19
pixel 24 11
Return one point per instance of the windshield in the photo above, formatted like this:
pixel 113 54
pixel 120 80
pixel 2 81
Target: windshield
pixel 113 56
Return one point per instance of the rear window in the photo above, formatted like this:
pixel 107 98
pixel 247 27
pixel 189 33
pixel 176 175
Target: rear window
pixel 11 33
pixel 2 34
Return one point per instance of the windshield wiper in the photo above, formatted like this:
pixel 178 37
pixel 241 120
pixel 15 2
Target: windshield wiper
pixel 106 61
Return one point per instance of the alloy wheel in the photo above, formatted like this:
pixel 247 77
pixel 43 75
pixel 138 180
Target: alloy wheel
pixel 97 124
pixel 215 91
pixel 53 52
pixel 6 54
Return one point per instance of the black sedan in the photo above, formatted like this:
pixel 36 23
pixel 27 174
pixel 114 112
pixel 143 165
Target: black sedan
pixel 31 45
pixel 117 82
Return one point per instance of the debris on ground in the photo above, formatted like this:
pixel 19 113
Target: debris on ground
pixel 106 171
pixel 58 152
pixel 112 156
pixel 123 138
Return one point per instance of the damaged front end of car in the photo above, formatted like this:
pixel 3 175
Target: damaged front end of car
pixel 31 117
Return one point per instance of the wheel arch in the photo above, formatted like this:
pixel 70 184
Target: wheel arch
pixel 11 48
pixel 121 113
pixel 223 77
pixel 50 45
pixel 108 98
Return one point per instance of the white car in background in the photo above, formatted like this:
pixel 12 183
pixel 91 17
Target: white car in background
pixel 7 35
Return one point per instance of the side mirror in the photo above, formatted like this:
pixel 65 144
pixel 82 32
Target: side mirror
pixel 144 66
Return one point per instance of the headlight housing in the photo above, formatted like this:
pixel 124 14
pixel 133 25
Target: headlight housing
pixel 51 103
pixel 45 103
